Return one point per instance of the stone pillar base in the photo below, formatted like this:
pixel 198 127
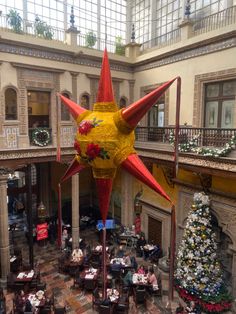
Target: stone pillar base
pixel 3 283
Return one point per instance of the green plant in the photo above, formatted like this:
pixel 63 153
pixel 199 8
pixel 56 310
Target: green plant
pixel 15 21
pixel 42 29
pixel 120 48
pixel 90 39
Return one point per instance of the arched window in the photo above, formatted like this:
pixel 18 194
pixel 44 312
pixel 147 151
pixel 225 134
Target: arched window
pixel 10 104
pixel 122 103
pixel 85 101
pixel 65 114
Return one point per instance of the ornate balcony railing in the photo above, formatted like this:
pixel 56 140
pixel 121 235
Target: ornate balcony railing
pixel 215 21
pixel 205 136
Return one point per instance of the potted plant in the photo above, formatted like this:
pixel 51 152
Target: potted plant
pixel 120 48
pixel 15 21
pixel 42 29
pixel 90 39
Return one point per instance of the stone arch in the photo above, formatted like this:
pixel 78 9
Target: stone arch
pixel 85 100
pixel 11 111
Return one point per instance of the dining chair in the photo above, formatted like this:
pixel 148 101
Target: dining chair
pixel 105 309
pixel 89 284
pixel 96 298
pixel 59 310
pixel 140 295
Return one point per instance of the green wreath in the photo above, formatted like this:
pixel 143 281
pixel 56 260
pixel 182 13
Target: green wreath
pixel 41 137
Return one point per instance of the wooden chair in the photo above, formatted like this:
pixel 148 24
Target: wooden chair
pixel 96 298
pixel 140 295
pixel 89 284
pixel 105 309
pixel 77 280
pixel 41 286
pixel 59 310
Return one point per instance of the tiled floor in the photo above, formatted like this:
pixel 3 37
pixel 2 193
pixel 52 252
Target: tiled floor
pixel 74 300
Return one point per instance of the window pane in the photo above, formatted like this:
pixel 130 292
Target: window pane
pixel 229 88
pixel 212 90
pixel 10 104
pixel 211 114
pixel 38 108
pixel 65 114
pixel 228 112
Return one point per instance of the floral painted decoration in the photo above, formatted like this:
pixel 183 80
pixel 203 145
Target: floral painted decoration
pixel 86 126
pixel 92 151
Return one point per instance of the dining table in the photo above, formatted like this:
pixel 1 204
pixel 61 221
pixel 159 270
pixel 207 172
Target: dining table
pixel 25 276
pixel 140 279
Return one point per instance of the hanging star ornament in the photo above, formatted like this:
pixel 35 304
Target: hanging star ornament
pixel 105 138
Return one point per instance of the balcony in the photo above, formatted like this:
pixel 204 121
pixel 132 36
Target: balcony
pixel 197 138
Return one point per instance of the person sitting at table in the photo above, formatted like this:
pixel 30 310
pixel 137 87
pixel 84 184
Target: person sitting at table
pixel 115 267
pixel 28 306
pixel 141 270
pixel 2 302
pixel 120 252
pixel 140 244
pixel 152 280
pixel 128 278
pixel 127 259
pixel 64 238
pixel 20 301
pixel 77 254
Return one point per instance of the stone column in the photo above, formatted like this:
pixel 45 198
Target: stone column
pixel 44 187
pixel 127 200
pixel 131 91
pixel 132 50
pixel 74 85
pixel 75 211
pixel 4 233
pixel 186 29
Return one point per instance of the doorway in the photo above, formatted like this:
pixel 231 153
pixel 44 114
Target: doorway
pixel 154 231
pixel 38 108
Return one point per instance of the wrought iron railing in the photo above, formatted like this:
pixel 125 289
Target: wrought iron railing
pixel 215 21
pixel 59 34
pixel 163 40
pixel 204 136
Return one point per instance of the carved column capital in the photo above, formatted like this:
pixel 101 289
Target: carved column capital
pixel 4 173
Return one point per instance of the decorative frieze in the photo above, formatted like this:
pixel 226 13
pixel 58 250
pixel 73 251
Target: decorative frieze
pixel 67 136
pixel 188 54
pixel 11 136
pixel 34 153
pixel 64 56
pixel 195 160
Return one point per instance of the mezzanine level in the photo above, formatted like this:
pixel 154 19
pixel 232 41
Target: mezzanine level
pixel 154 143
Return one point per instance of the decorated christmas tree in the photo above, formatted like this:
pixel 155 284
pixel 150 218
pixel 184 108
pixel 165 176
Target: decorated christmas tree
pixel 198 275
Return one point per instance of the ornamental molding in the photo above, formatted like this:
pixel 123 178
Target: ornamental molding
pixel 34 153
pixel 206 163
pixel 97 77
pixel 36 67
pixel 187 54
pixel 5 172
pixel 193 160
pixel 60 56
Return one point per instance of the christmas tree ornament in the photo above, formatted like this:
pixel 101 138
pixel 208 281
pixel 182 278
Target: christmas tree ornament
pixel 204 282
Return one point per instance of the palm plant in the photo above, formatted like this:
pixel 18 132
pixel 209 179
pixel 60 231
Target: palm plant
pixel 15 21
pixel 90 39
pixel 42 29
